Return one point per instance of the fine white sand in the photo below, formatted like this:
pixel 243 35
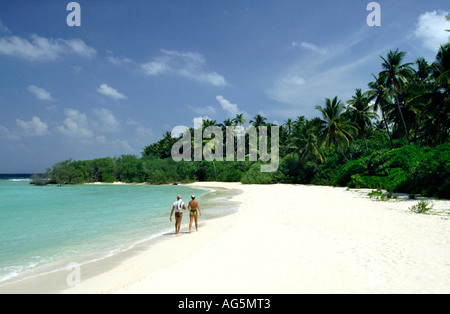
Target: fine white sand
pixel 294 239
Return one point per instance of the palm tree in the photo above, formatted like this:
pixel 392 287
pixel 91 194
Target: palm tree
pixel 258 121
pixel 396 75
pixel 447 17
pixel 239 119
pixel 360 112
pixel 289 125
pixel 166 144
pixel 226 122
pixel 334 128
pixel 299 122
pixel 306 144
pixel 379 125
pixel 438 109
pixel 423 72
pixel 208 123
pixel 441 67
pixel 418 95
pixel 224 125
pixel 380 94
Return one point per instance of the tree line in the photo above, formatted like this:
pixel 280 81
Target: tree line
pixel 393 135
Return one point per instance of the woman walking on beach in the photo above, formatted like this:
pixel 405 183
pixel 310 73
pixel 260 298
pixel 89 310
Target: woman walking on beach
pixel 193 207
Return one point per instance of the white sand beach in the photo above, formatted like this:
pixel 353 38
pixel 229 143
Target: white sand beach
pixel 294 239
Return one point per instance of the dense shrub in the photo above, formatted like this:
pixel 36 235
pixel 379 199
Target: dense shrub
pixel 410 169
pixel 255 176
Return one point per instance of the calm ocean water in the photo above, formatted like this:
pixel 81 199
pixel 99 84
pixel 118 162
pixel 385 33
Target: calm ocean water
pixel 46 227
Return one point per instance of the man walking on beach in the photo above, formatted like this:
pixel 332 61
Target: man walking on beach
pixel 178 207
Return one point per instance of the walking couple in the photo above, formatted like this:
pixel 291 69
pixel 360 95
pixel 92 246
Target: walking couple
pixel 178 208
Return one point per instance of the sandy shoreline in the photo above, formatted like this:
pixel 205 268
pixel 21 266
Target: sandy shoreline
pixel 294 239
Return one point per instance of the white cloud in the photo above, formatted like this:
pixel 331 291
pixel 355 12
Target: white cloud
pixel 118 61
pixel 144 132
pixel 79 47
pixel 339 80
pixel 313 77
pixel 77 69
pixel 40 93
pixel 4 29
pixel 100 139
pixel 229 107
pixel 5 133
pixel 203 110
pixel 75 125
pixel 39 49
pixel 131 122
pixel 186 64
pixel 106 121
pixel 123 145
pixel 43 49
pixel 35 127
pixel 52 108
pixel 431 28
pixel 294 80
pixel 106 90
pixel 309 46
pixel 156 67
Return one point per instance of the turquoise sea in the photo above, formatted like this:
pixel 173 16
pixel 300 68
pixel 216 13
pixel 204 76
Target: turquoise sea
pixel 43 228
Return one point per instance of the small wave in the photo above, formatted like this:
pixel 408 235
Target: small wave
pixel 7 277
pixel 19 180
pixel 204 189
pixel 12 272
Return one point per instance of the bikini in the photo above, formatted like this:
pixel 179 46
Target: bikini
pixel 193 211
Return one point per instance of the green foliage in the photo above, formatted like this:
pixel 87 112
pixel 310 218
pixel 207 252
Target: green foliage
pixel 255 176
pixel 422 207
pixel 379 195
pixel 293 170
pixel 232 171
pixel 376 194
pixel 68 172
pixel 159 171
pixel 162 148
pixel 410 169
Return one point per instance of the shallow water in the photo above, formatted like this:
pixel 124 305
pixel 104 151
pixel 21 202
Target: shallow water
pixel 43 228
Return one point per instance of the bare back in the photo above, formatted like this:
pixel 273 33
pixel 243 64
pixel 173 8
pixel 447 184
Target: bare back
pixel 193 205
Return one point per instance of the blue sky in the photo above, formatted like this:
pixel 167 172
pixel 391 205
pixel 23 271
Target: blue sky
pixel 135 69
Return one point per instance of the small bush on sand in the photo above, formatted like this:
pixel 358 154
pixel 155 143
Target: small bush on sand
pixel 422 207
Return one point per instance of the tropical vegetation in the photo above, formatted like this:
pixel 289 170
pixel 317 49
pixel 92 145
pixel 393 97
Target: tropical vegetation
pixel 394 135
